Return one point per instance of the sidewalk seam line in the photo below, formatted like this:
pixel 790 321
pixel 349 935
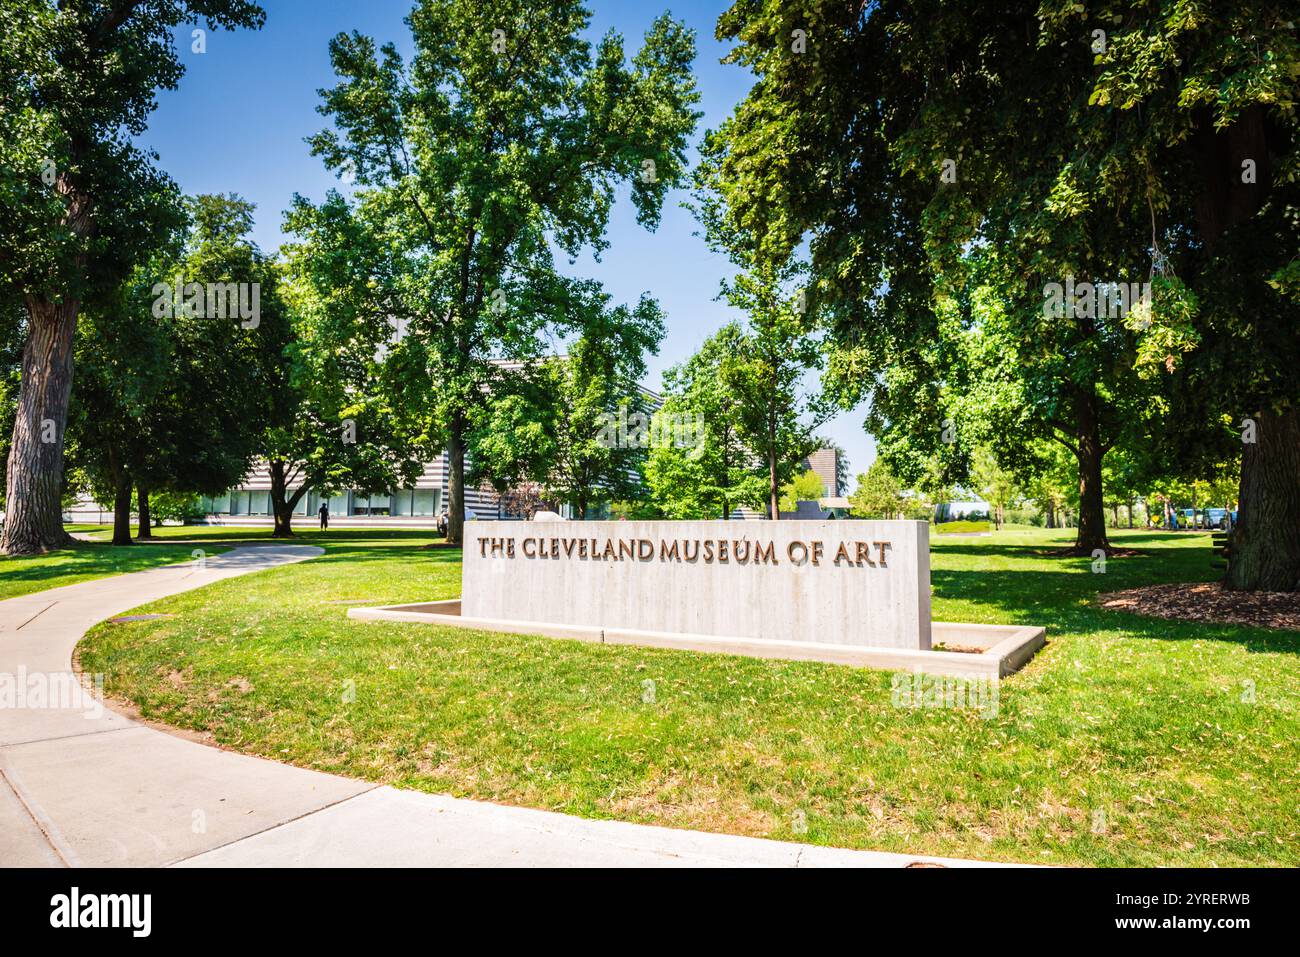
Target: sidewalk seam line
pixel 37 615
pixel 45 833
pixel 65 737
pixel 270 827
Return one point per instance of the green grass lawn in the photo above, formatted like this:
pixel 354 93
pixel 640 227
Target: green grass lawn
pixel 962 527
pixel 67 566
pixel 218 533
pixel 1126 741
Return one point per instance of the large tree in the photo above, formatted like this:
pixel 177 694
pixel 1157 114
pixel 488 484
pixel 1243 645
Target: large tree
pixel 178 366
pixel 122 371
pixel 1191 122
pixel 878 494
pixel 781 340
pixel 348 399
pixel 502 140
pixel 1102 143
pixel 575 426
pixel 776 416
pixel 873 126
pixel 715 473
pixel 77 81
pixel 1009 375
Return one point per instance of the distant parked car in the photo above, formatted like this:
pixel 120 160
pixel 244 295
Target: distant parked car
pixel 444 517
pixel 1220 518
pixel 1204 518
pixel 1187 518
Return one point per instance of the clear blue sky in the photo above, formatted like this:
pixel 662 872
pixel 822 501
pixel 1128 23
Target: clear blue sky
pixel 244 107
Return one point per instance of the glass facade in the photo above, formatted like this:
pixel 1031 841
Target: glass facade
pixel 407 502
pixel 403 503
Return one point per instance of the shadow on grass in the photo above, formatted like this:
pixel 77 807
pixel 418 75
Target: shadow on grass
pixel 262 533
pixel 1064 602
pixel 1052 550
pixel 361 553
pixel 89 559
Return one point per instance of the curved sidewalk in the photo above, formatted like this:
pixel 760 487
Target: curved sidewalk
pixel 81 785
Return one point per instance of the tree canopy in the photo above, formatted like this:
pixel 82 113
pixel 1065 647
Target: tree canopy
pixel 926 150
pixel 83 204
pixel 500 142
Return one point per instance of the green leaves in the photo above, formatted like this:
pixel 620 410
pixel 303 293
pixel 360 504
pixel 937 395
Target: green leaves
pixel 157 394
pixel 503 139
pixel 79 82
pixel 561 423
pixel 878 495
pixel 1065 161
pixel 718 472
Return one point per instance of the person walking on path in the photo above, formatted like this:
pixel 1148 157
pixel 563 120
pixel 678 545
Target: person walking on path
pixel 324 515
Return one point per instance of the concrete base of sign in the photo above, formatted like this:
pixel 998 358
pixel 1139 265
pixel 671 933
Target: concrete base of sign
pixel 999 649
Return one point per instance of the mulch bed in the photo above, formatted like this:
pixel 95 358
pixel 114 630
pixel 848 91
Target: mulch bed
pixel 1209 602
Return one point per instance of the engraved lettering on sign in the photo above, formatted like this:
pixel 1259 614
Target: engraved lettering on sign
pixel 709 551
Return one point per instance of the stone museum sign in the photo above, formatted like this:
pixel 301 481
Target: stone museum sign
pixel 837 582
pixel 843 592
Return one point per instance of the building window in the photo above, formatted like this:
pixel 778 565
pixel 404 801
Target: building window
pixel 369 504
pixel 425 501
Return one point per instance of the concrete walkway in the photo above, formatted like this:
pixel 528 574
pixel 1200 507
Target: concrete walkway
pixel 81 785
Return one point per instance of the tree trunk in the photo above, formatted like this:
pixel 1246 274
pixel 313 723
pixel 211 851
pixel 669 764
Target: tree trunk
pixel 146 527
pixel 1092 513
pixel 773 491
pixel 456 482
pixel 725 477
pixel 34 476
pixel 1051 514
pixel 282 503
pixel 283 523
pixel 1265 544
pixel 122 512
